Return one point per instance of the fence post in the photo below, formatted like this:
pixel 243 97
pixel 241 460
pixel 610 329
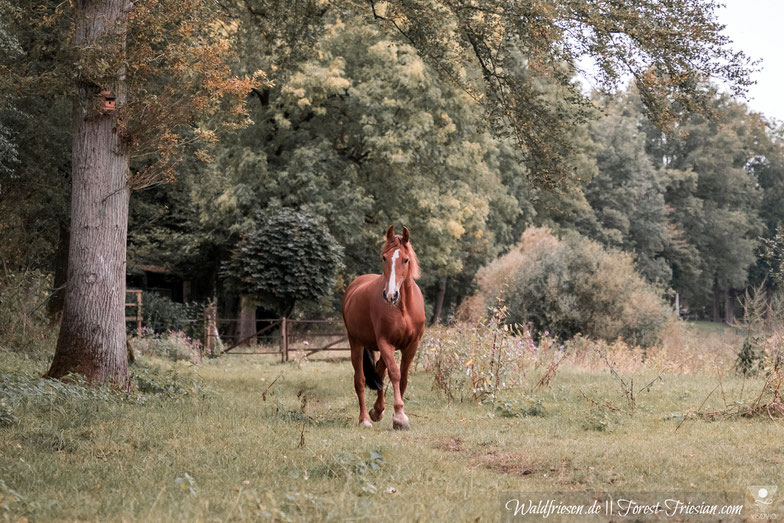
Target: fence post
pixel 284 340
pixel 139 313
pixel 138 304
pixel 210 326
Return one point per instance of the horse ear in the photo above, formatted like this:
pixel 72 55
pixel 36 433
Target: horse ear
pixel 405 234
pixel 391 233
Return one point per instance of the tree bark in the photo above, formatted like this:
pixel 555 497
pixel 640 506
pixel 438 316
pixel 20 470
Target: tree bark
pixel 92 335
pixel 439 301
pixel 716 300
pixel 247 319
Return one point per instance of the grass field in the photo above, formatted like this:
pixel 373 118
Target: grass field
pixel 264 440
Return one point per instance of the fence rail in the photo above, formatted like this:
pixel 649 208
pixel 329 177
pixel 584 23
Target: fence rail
pixel 291 336
pixel 288 338
pixel 138 304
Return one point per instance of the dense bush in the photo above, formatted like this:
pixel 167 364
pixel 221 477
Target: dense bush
pixel 571 286
pixel 161 315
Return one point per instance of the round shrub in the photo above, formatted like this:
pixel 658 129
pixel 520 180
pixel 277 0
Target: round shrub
pixel 289 256
pixel 573 286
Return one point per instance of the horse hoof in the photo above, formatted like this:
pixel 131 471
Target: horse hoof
pixel 400 422
pixel 365 424
pixel 376 415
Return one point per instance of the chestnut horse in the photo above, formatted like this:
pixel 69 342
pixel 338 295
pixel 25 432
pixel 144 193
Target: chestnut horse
pixel 385 312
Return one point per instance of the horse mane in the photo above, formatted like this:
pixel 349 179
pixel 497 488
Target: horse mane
pixel 415 273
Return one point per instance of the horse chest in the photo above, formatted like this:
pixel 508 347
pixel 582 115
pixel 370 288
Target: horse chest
pixel 398 329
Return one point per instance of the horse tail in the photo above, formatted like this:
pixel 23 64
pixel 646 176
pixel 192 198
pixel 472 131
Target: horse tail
pixel 372 379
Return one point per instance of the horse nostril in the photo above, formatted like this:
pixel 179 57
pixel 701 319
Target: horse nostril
pixel 384 293
pixel 397 295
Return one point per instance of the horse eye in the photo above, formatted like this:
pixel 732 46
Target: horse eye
pixel 384 258
pixel 405 260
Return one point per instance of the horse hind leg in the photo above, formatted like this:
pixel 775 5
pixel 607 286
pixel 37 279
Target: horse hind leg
pixel 377 412
pixel 359 382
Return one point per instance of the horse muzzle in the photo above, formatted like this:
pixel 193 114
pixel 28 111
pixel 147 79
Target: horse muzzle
pixel 391 298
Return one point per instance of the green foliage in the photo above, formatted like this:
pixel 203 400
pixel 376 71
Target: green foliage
pixel 288 256
pixel 748 358
pixel 773 256
pixel 155 382
pixel 349 462
pixel 626 195
pixel 483 45
pixel 573 286
pixel 601 419
pixel 712 166
pixel 451 118
pixel 26 392
pixel 24 326
pixel 520 409
pixel 161 315
pixel 362 133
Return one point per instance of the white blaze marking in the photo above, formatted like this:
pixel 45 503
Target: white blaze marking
pixel 391 288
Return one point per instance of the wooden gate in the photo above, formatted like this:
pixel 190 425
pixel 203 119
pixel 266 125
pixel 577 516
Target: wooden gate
pixel 276 336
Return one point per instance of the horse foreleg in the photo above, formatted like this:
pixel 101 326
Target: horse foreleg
pixel 377 412
pixel 406 357
pixel 399 418
pixel 359 383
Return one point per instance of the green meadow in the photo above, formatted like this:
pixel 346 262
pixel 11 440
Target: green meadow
pixel 247 438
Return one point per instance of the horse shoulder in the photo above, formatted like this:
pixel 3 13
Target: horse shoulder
pixel 417 312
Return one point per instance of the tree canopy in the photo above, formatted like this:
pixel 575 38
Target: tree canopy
pixel 463 120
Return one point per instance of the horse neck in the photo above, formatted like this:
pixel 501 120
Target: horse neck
pixel 406 292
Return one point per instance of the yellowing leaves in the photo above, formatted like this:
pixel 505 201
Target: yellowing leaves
pixel 455 229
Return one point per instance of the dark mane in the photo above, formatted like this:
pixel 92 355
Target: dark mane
pixel 397 243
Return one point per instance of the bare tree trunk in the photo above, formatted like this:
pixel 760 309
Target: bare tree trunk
pixel 716 300
pixel 247 319
pixel 729 307
pixel 439 301
pixel 92 335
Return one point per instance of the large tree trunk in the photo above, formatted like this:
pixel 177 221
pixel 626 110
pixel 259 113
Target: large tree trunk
pixel 247 320
pixel 92 334
pixel 439 301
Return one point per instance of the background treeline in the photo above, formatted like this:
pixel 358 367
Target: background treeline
pixel 358 131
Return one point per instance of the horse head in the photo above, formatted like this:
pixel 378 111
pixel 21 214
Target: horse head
pixel 400 264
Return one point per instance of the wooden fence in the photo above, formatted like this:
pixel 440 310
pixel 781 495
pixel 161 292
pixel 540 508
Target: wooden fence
pixel 273 336
pixel 137 302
